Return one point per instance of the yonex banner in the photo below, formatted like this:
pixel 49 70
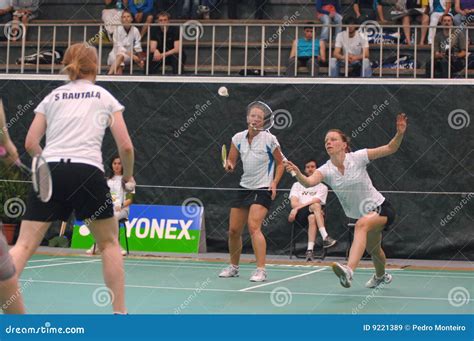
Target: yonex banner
pixel 154 228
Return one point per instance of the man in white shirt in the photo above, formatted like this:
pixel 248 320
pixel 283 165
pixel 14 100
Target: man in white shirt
pixel 307 210
pixel 352 47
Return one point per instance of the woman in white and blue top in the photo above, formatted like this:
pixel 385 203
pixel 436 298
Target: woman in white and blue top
pixel 347 175
pixel 263 168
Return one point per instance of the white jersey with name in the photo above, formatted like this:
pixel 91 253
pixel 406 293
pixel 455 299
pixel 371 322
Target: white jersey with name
pixel 257 158
pixel 354 188
pixel 77 115
pixel 307 194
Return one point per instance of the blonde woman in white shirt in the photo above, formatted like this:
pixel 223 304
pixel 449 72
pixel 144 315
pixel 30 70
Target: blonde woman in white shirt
pixel 72 118
pixel 126 39
pixel 347 175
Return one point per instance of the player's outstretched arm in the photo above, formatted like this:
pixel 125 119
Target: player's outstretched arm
pixel 394 144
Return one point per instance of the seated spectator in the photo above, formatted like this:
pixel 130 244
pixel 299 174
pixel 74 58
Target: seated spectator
pixel 351 47
pixel 142 11
pixel 207 7
pixel 328 11
pixel 368 10
pixel 409 10
pixel 464 11
pixel 307 210
pixel 112 14
pixel 190 9
pixel 6 10
pixel 162 51
pixel 24 11
pixel 259 8
pixel 302 50
pixel 126 40
pixel 437 9
pixel 443 41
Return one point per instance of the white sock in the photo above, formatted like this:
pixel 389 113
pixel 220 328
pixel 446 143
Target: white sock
pixel 261 268
pixel 234 266
pixel 377 277
pixel 310 246
pixel 323 232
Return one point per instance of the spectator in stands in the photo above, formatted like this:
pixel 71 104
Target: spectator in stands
pixel 6 10
pixel 174 7
pixel 126 45
pixel 368 10
pixel 190 9
pixel 142 11
pixel 464 11
pixel 442 42
pixel 351 47
pixel 307 210
pixel 437 9
pixel 162 51
pixel 259 9
pixel 408 10
pixel 112 14
pixel 24 11
pixel 328 11
pixel 301 49
pixel 207 7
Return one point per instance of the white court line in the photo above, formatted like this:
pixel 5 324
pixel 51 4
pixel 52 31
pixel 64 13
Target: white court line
pixel 283 280
pixel 296 269
pixel 59 264
pixel 45 260
pixel 248 292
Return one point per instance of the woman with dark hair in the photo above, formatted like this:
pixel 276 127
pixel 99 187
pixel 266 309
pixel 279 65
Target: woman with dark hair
pixel 120 198
pixel 347 175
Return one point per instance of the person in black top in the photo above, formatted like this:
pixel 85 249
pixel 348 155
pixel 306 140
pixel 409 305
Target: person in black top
pixel 368 10
pixel 161 51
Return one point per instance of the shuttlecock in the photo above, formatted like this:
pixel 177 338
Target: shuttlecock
pixel 223 91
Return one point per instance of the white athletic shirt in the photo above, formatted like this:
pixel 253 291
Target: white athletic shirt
pixel 117 191
pixel 354 45
pixel 354 189
pixel 77 114
pixel 127 41
pixel 305 195
pixel 257 158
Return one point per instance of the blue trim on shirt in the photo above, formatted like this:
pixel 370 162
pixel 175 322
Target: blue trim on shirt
pixel 238 147
pixel 270 156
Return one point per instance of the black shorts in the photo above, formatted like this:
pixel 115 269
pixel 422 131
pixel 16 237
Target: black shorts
pixel 387 210
pixel 303 214
pixel 76 186
pixel 248 197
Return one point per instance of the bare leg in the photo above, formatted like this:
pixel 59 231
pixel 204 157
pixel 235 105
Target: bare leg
pixel 105 232
pixel 31 235
pixel 371 222
pixel 10 296
pixel 374 248
pixel 256 215
pixel 311 228
pixel 237 219
pixel 406 29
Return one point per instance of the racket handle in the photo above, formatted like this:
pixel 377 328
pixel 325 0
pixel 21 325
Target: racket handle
pixel 130 186
pixel 293 173
pixel 63 229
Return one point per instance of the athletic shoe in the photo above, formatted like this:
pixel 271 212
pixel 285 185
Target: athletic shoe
pixel 93 250
pixel 309 256
pixel 259 275
pixel 344 273
pixel 375 282
pixel 328 242
pixel 230 271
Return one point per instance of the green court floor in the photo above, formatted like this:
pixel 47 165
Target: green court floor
pixel 69 285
